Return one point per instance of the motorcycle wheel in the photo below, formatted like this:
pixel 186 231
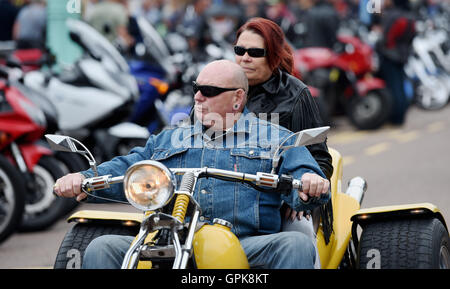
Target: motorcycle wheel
pixel 43 208
pixel 371 110
pixel 432 97
pixel 71 252
pixel 12 198
pixel 404 244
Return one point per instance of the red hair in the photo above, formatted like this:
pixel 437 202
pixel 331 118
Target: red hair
pixel 278 52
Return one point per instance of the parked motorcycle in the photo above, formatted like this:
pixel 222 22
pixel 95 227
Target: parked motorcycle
pixel 12 189
pixel 164 69
pixel 12 196
pixel 100 88
pixel 344 76
pixel 22 125
pixel 69 163
pixel 429 68
pixel 169 233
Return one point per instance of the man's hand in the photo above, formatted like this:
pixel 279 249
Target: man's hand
pixel 313 186
pixel 69 186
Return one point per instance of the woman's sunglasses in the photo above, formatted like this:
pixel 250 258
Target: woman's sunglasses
pixel 253 52
pixel 208 90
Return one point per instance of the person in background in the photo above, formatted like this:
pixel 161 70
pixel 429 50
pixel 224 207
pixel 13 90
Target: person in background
pixel 8 14
pixel 267 60
pixel 110 18
pixel 253 8
pixel 30 26
pixel 194 26
pixel 394 48
pixel 321 22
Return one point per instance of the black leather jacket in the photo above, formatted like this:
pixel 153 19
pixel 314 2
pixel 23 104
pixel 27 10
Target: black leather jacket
pixel 290 97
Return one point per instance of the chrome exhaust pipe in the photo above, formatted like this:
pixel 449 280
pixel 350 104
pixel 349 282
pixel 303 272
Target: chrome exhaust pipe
pixel 357 186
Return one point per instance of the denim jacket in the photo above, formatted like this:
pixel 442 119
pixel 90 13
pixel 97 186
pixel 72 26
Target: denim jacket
pixel 247 147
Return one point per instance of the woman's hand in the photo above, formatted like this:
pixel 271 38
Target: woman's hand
pixel 291 214
pixel 313 185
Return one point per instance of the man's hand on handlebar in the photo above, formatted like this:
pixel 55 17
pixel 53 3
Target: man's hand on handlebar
pixel 69 186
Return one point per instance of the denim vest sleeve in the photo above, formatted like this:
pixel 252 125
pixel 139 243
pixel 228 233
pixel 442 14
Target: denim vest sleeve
pixel 117 167
pixel 296 162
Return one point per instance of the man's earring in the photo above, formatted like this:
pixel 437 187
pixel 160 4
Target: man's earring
pixel 236 106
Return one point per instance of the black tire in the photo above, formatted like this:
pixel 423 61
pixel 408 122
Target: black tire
pixel 12 198
pixel 404 244
pixel 371 110
pixel 42 207
pixel 432 97
pixel 71 251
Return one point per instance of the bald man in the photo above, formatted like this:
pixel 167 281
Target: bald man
pixel 224 136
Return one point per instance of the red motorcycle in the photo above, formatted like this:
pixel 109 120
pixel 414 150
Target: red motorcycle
pixel 28 59
pixel 22 125
pixel 345 77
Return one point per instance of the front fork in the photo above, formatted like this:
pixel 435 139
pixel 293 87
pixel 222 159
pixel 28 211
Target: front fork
pixel 26 157
pixel 173 222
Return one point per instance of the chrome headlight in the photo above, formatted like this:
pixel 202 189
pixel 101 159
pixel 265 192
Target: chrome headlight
pixel 149 185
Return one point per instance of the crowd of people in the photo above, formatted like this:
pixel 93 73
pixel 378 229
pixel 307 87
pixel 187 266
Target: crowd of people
pixel 305 23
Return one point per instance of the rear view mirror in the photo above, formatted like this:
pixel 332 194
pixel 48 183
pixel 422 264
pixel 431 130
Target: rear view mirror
pixel 302 138
pixel 64 143
pixel 61 143
pixel 311 136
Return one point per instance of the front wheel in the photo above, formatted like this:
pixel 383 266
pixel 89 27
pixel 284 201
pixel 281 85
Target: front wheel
pixel 370 111
pixel 433 95
pixel 43 208
pixel 404 244
pixel 12 198
pixel 71 251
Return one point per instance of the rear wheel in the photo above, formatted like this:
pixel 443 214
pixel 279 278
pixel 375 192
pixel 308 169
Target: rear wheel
pixel 71 251
pixel 12 198
pixel 404 244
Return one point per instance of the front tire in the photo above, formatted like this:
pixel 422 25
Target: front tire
pixel 12 198
pixel 43 208
pixel 404 244
pixel 71 252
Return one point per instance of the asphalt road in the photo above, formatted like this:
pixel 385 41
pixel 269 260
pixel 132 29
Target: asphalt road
pixel 407 164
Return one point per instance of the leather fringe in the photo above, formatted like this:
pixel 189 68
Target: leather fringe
pixel 326 215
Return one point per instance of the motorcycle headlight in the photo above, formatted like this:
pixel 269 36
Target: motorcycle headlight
pixel 149 185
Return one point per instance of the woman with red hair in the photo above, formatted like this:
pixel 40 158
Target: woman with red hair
pixel 267 60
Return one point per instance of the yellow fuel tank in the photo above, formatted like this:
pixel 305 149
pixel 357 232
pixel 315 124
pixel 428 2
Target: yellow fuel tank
pixel 216 247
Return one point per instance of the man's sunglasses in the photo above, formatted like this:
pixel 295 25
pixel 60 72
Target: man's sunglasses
pixel 208 90
pixel 253 52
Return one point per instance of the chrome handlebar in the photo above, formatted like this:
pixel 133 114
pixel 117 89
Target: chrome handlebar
pixel 259 179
